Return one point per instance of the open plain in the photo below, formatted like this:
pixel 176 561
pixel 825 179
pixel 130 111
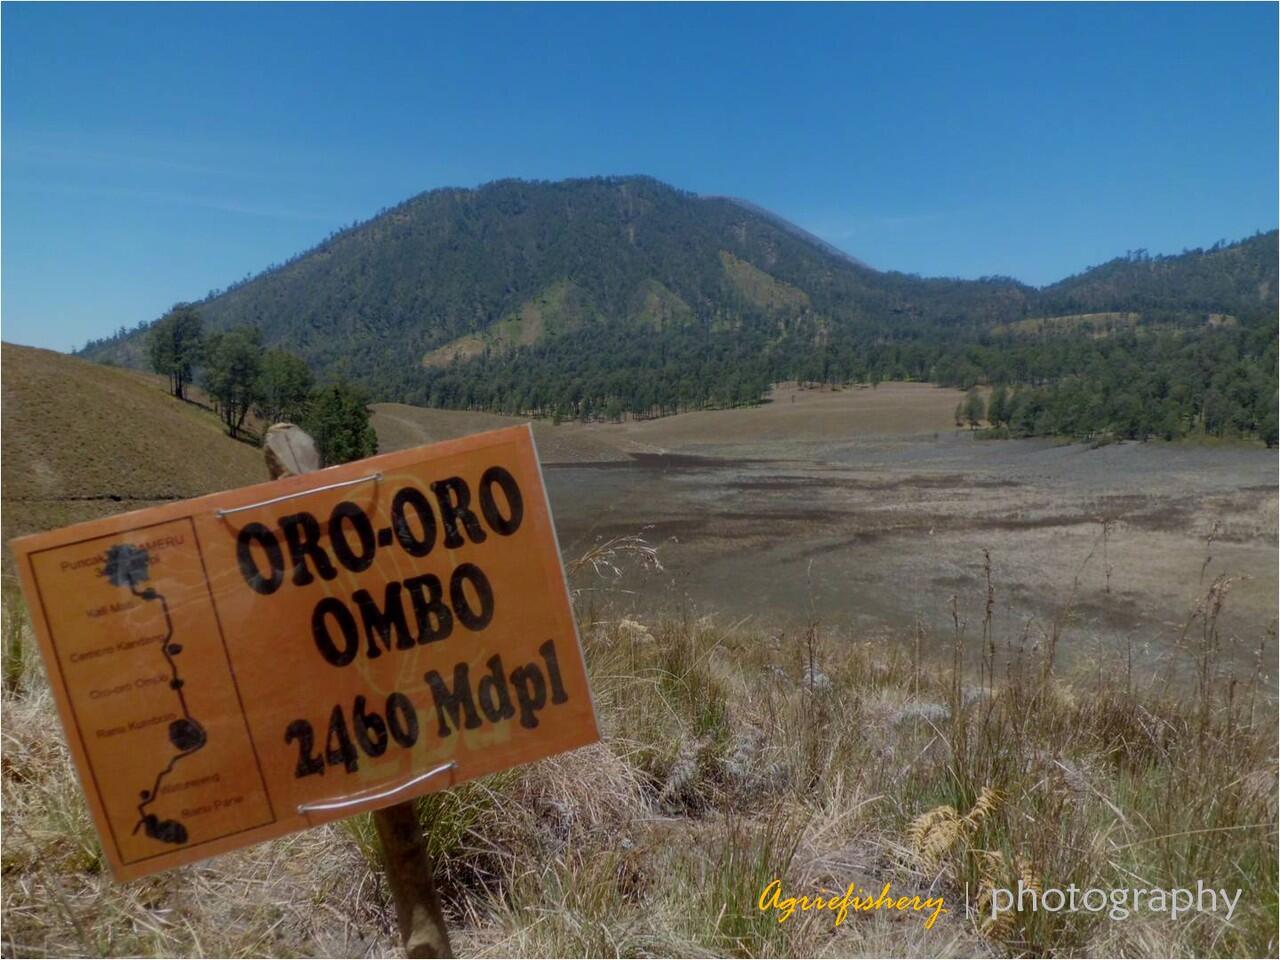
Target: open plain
pixel 869 510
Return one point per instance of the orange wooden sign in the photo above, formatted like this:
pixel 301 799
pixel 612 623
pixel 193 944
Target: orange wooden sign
pixel 239 666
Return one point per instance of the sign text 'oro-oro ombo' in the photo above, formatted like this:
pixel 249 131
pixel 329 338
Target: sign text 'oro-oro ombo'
pixel 239 666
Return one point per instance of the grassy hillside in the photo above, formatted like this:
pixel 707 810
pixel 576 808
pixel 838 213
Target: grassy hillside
pixel 81 440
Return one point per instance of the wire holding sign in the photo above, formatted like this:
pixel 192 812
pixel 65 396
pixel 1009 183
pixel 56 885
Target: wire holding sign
pixel 344 803
pixel 301 493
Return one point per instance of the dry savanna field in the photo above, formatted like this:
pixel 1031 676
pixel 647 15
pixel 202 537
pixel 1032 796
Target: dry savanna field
pixel 831 639
pixel 868 510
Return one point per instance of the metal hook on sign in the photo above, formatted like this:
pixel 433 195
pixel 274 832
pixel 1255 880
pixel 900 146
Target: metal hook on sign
pixel 342 803
pixel 375 477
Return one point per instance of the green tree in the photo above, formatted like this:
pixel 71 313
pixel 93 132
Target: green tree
pixel 232 370
pixel 175 346
pixel 338 420
pixel 283 387
pixel 998 408
pixel 975 408
pixel 1270 429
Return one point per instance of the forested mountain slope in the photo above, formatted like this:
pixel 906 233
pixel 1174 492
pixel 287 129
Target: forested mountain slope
pixel 602 261
pixel 599 296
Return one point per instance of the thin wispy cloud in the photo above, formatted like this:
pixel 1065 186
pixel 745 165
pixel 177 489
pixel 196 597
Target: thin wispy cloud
pixel 44 152
pixel 168 197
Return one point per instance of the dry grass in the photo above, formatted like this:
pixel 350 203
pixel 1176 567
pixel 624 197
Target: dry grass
pixel 66 435
pixel 793 416
pixel 400 426
pixel 733 757
pixel 83 441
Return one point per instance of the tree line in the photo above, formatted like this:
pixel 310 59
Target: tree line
pixel 1171 376
pixel 1218 386
pixel 241 377
pixel 1158 380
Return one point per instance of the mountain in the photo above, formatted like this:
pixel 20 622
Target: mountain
pixel 82 441
pixel 453 273
pixel 797 230
pixel 1235 279
pixel 612 294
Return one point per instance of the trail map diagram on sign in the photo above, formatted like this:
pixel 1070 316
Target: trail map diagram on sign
pixel 127 566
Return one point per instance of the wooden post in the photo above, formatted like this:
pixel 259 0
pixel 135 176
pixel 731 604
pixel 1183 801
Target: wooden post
pixel 409 873
pixel 406 860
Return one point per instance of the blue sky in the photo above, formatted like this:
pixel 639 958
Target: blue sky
pixel 151 153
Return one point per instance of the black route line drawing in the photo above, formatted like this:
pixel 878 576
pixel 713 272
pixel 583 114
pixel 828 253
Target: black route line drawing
pixel 128 566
